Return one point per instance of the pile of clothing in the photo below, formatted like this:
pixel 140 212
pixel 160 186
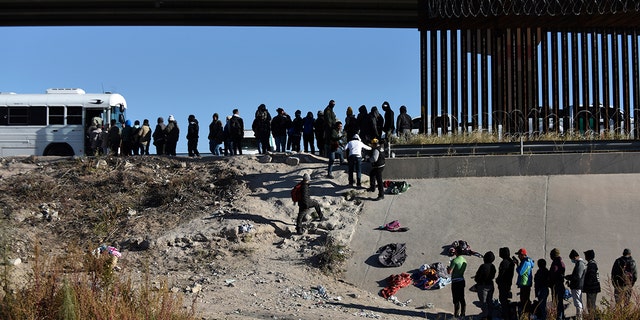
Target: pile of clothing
pixel 434 276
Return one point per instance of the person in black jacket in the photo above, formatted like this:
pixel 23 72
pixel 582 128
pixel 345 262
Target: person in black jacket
pixel 404 124
pixel 159 137
pixel 261 127
pixel 216 135
pixel 624 275
pixel 389 126
pixel 556 282
pixel 193 133
pixel 318 128
pixel 172 134
pixel 279 126
pixel 377 166
pixel 504 281
pixel 305 203
pixel 591 281
pixel 541 289
pixel 296 131
pixel 484 285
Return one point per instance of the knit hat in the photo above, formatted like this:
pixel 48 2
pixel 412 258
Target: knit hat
pixel 626 252
pixel 573 254
pixel 305 177
pixel 171 118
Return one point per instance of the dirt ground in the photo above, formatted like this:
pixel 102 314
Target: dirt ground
pixel 220 231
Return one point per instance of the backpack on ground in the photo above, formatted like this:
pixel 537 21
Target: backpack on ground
pixel 392 255
pixel 296 193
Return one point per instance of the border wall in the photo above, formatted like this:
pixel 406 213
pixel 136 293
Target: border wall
pixel 511 165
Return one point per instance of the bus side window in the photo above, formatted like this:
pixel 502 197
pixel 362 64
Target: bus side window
pixel 3 116
pixel 18 116
pixel 56 115
pixel 74 115
pixel 38 116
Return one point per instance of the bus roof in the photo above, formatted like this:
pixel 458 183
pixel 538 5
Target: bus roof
pixel 63 97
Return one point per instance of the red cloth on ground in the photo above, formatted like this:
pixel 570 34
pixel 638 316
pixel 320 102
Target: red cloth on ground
pixel 395 282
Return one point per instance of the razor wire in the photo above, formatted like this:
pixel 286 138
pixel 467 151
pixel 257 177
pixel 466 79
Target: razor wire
pixel 495 8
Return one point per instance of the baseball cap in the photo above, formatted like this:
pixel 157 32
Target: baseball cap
pixel 522 251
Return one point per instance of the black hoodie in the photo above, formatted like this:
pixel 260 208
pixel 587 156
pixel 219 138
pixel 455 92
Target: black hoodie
pixel 487 271
pixel 506 269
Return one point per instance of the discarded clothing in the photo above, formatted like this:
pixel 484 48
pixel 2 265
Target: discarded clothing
pixel 396 187
pixel 394 283
pixel 464 248
pixel 432 276
pixel 393 226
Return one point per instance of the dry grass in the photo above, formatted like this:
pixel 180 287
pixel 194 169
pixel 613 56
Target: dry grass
pixel 95 291
pixel 491 137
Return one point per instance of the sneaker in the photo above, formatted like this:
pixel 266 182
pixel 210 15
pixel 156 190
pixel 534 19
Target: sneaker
pixel 379 198
pixel 371 190
pixel 359 186
pixel 330 176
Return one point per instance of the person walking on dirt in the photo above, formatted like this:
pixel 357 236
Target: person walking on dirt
pixel 305 202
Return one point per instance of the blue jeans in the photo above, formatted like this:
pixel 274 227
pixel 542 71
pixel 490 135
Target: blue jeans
pixel 215 147
pixel 281 143
pixel 332 158
pixel 355 165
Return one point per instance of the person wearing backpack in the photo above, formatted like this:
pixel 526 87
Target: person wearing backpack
pixel 144 137
pixel 262 128
pixel 624 275
pixel 305 202
pixel 236 132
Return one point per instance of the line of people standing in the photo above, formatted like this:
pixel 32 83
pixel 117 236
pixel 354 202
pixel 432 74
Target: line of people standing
pixel 584 278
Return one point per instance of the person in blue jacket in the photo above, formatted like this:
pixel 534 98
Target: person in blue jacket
pixel 525 279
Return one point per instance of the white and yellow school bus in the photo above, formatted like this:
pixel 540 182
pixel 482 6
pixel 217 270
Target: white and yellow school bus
pixel 55 122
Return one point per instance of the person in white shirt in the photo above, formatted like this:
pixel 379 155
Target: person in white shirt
pixel 354 157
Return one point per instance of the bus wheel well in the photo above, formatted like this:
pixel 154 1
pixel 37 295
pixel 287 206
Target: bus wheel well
pixel 59 149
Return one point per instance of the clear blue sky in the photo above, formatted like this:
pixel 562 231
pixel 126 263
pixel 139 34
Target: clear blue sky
pixel 202 70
